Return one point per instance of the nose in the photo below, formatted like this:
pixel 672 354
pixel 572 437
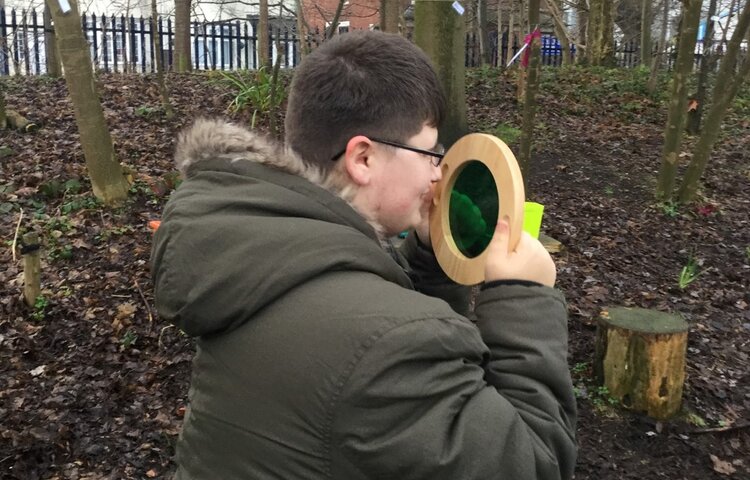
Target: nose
pixel 437 173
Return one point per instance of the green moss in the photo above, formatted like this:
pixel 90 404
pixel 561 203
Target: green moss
pixel 644 320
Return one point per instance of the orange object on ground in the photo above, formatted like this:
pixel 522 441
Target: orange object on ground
pixel 154 225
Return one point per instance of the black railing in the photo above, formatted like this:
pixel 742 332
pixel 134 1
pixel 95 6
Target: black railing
pixel 124 44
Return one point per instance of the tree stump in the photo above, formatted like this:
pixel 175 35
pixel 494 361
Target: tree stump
pixel 640 358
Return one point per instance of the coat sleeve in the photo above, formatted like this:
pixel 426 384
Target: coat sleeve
pixel 429 278
pixel 430 400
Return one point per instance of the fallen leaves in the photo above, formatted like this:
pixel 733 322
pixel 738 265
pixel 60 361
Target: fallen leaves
pixel 721 466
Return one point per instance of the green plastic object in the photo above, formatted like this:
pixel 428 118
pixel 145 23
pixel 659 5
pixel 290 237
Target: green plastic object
pixel 532 218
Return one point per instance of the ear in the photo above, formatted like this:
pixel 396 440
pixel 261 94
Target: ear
pixel 357 159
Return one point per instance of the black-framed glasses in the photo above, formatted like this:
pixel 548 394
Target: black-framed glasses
pixel 436 155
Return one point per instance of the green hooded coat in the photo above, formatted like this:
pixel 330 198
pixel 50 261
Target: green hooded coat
pixel 322 355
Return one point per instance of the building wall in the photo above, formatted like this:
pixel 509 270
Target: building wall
pixel 360 14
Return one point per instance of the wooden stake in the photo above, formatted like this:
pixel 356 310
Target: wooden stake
pixel 31 268
pixel 640 358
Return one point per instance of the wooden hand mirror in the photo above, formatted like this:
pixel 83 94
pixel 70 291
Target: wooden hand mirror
pixel 481 184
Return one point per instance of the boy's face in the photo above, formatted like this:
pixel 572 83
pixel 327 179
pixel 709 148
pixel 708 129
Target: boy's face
pixel 399 193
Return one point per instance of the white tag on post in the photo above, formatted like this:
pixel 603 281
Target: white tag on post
pixel 458 7
pixel 64 6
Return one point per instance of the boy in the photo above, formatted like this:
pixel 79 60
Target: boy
pixel 323 352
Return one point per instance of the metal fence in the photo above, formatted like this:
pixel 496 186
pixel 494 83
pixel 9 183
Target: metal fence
pixel 123 44
pixel 627 54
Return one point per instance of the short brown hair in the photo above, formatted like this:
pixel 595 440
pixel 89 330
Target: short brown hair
pixel 360 83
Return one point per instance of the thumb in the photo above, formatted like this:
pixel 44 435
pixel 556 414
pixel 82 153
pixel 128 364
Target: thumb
pixel 502 236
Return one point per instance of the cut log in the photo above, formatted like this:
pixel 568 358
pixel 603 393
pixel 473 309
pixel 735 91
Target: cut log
pixel 550 244
pixel 640 358
pixel 18 121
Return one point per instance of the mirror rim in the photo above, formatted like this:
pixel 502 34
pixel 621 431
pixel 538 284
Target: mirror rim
pixel 500 161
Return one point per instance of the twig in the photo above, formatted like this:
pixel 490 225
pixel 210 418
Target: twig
pixel 145 302
pixel 15 235
pixel 161 345
pixel 728 428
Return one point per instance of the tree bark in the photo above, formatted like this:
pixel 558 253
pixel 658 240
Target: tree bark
pixel 303 30
pixel 54 69
pixel 264 58
pixel 106 174
pixel 728 83
pixel 511 31
pixel 333 27
pixel 560 30
pixel 582 12
pixel 159 60
pixel 677 115
pixel 730 14
pixel 182 59
pixel 3 114
pixel 390 12
pixel 600 34
pixel 694 115
pixel 499 53
pixel 646 20
pixel 440 31
pixel 484 35
pixel 529 106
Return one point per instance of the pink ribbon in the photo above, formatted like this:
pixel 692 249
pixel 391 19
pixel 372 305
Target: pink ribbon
pixel 527 41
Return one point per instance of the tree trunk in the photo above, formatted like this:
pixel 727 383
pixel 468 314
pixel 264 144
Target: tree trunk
pixel 656 60
pixel 640 358
pixel 561 31
pixel 727 84
pixel 159 60
pixel 333 27
pixel 600 36
pixel 484 35
pixel 303 30
pixel 3 115
pixel 695 114
pixel 646 20
pixel 728 19
pixel 106 174
pixel 582 12
pixel 529 106
pixel 440 31
pixel 390 12
pixel 182 59
pixel 50 46
pixel 264 58
pixel 677 115
pixel 499 53
pixel 126 43
pixel 511 31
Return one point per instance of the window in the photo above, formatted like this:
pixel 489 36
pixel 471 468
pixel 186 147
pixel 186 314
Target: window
pixel 342 27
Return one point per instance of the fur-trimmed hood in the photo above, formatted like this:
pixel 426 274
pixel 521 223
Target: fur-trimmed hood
pixel 211 139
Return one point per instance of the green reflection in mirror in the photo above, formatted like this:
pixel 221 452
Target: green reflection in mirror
pixel 473 209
